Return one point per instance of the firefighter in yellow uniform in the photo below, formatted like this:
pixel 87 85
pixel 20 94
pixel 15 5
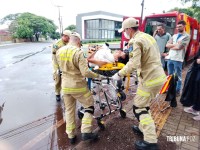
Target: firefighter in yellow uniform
pixel 145 58
pixel 74 69
pixel 56 72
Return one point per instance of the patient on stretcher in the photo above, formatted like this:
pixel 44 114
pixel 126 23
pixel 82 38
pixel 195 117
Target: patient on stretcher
pixel 104 56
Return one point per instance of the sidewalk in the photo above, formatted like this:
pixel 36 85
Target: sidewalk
pixel 180 123
pixel 180 131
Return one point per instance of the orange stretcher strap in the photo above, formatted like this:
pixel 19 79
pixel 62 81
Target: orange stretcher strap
pixel 128 82
pixel 166 85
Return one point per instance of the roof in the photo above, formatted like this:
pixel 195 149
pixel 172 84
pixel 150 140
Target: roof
pixel 99 13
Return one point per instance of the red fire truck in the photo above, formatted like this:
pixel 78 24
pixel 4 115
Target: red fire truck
pixel 170 21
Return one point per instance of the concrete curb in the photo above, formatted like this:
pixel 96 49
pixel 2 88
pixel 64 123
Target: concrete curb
pixel 1 45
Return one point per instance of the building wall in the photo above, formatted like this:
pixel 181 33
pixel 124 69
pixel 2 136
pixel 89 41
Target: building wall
pixel 5 36
pixel 84 19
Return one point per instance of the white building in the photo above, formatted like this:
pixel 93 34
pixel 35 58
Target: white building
pixel 98 25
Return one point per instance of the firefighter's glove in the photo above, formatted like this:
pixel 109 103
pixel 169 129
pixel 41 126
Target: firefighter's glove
pixel 116 77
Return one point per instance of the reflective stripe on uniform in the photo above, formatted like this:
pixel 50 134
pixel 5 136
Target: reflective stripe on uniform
pixel 142 93
pixel 146 121
pixel 70 127
pixel 67 55
pixel 87 94
pixel 58 44
pixel 122 72
pixel 55 65
pixel 75 90
pixel 86 121
pixel 155 81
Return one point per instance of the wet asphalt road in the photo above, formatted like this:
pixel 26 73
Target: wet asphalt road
pixel 30 118
pixel 26 86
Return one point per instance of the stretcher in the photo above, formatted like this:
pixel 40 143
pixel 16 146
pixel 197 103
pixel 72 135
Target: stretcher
pixel 106 102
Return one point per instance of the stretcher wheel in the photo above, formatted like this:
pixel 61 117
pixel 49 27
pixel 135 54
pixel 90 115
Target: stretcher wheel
pixel 122 96
pixel 80 114
pixel 123 113
pixel 101 125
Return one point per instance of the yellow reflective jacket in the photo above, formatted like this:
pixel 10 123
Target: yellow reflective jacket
pixel 60 43
pixel 145 58
pixel 74 69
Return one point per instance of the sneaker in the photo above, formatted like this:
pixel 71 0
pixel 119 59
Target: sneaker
pixel 191 111
pixel 197 118
pixel 58 98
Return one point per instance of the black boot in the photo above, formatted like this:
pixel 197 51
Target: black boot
pixel 89 136
pixel 58 98
pixel 173 103
pixel 136 130
pixel 143 145
pixel 72 140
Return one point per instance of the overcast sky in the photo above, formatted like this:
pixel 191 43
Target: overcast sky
pixel 70 8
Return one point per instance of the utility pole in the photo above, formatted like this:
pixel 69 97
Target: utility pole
pixel 142 4
pixel 60 20
pixel 61 25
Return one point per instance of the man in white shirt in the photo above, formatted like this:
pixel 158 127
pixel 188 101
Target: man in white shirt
pixel 177 45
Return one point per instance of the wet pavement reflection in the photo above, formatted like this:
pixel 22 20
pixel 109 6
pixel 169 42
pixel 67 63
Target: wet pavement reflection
pixel 30 117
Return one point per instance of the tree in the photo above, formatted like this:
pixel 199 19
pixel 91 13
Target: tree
pixel 27 25
pixel 189 11
pixel 195 3
pixel 71 27
pixel 9 18
pixel 55 35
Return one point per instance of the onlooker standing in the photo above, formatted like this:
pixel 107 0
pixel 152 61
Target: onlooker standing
pixel 162 37
pixel 177 45
pixel 190 95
